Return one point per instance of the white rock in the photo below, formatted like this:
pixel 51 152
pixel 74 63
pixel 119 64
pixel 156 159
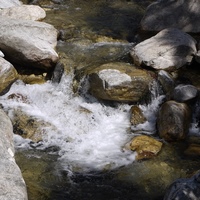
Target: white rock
pixel 28 12
pixel 9 3
pixel 170 49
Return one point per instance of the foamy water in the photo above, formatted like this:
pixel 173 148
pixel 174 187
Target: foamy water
pixel 90 135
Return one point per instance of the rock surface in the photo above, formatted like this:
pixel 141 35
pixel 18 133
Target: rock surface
pixel 12 185
pixel 173 121
pixel 119 82
pixel 9 3
pixel 145 146
pixel 8 75
pixel 184 189
pixel 137 116
pixel 181 14
pixel 28 43
pixel 170 49
pixel 184 93
pixel 27 12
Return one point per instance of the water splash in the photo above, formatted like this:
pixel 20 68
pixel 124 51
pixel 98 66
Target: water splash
pixel 89 135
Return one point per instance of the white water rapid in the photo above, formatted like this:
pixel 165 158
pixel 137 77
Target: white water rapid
pixel 91 136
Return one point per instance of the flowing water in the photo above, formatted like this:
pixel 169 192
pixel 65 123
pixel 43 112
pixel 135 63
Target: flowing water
pixel 82 156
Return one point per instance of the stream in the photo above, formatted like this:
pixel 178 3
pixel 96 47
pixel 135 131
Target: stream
pixel 82 155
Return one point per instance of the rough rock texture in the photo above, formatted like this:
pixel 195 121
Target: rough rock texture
pixel 28 12
pixel 28 43
pixel 184 93
pixel 8 75
pixel 145 146
pixel 26 125
pixel 119 82
pixel 181 14
pixel 12 185
pixel 170 49
pixel 173 121
pixel 137 116
pixel 9 3
pixel 184 189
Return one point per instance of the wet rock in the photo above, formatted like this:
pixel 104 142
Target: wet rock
pixel 173 121
pixel 28 43
pixel 166 81
pixel 12 185
pixel 8 75
pixel 193 150
pixel 29 126
pixel 27 12
pixel 184 93
pixel 181 14
pixel 170 49
pixel 33 79
pixel 137 116
pixel 145 146
pixel 58 72
pixel 9 3
pixel 184 189
pixel 119 82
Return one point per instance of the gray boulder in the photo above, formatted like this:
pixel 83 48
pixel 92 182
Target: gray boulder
pixel 12 185
pixel 8 75
pixel 173 121
pixel 28 12
pixel 184 93
pixel 119 82
pixel 1 54
pixel 181 14
pixel 28 43
pixel 9 3
pixel 170 49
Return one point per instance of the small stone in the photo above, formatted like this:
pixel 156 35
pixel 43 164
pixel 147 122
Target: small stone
pixel 145 146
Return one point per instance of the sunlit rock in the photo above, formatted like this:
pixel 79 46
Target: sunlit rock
pixel 137 116
pixel 28 12
pixel 1 54
pixel 28 43
pixel 119 82
pixel 12 185
pixel 8 75
pixel 181 14
pixel 9 3
pixel 170 49
pixel 173 121
pixel 185 188
pixel 184 93
pixel 145 146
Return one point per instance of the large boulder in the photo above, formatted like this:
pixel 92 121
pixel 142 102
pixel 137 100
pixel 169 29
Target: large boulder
pixel 181 14
pixel 9 3
pixel 119 82
pixel 170 49
pixel 28 43
pixel 28 12
pixel 173 121
pixel 8 75
pixel 12 185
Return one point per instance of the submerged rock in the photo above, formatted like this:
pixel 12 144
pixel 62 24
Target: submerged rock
pixel 145 146
pixel 28 12
pixel 8 75
pixel 173 121
pixel 12 185
pixel 170 49
pixel 28 43
pixel 181 14
pixel 184 189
